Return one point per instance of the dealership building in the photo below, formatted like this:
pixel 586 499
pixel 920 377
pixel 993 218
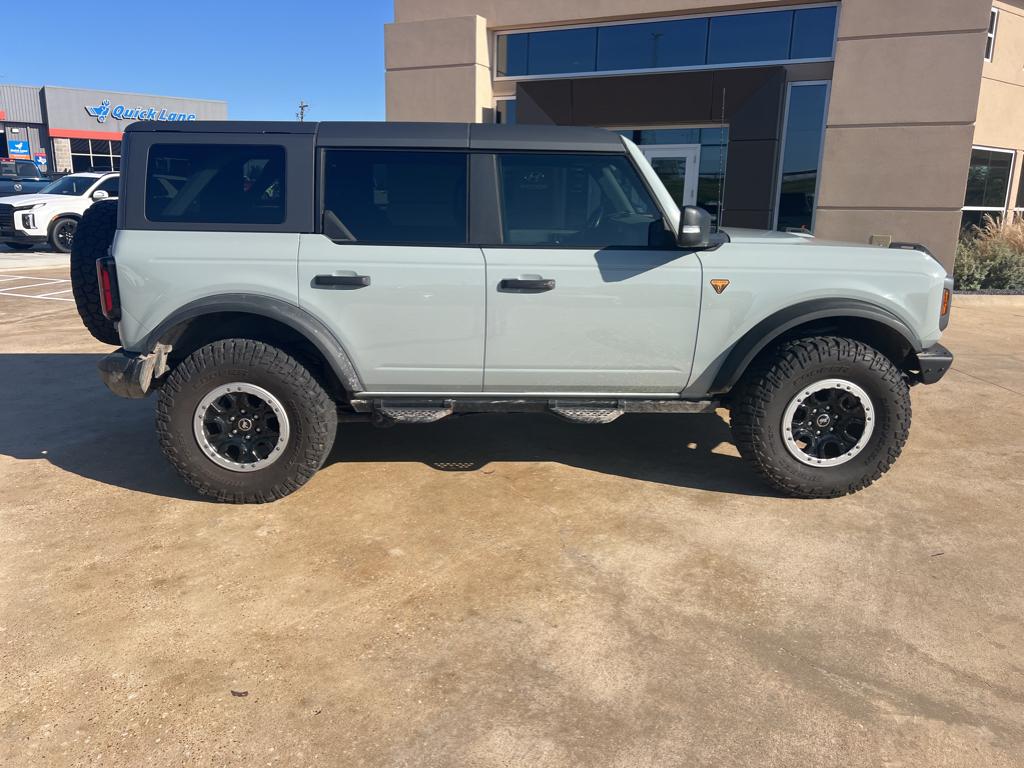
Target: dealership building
pixel 870 121
pixel 73 129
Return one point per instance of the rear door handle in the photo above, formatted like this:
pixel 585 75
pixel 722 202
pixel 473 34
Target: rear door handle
pixel 341 281
pixel 522 285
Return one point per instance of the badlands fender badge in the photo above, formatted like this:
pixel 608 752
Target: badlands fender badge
pixel 719 285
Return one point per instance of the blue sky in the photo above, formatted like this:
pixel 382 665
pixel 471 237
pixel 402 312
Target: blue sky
pixel 261 57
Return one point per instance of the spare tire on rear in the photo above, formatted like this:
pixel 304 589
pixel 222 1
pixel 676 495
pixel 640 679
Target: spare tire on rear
pixel 92 241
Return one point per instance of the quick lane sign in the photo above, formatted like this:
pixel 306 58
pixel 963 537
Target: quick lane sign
pixel 18 149
pixel 123 112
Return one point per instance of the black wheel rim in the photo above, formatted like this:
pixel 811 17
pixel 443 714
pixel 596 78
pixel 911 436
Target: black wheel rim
pixel 241 427
pixel 65 234
pixel 828 423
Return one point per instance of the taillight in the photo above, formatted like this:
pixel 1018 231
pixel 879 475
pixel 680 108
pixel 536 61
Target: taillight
pixel 106 277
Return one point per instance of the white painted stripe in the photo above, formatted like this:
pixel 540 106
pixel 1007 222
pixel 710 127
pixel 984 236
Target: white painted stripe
pixel 27 296
pixel 52 293
pixel 33 285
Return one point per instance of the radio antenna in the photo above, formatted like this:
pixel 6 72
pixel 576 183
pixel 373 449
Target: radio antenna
pixel 721 169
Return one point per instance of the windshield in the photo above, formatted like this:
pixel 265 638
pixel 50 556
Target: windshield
pixel 69 185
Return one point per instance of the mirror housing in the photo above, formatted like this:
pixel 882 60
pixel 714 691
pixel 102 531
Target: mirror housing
pixel 100 194
pixel 694 228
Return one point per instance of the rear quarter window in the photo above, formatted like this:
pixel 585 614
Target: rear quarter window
pixel 216 183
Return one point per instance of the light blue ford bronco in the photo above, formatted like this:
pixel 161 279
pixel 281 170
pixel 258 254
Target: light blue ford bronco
pixel 271 280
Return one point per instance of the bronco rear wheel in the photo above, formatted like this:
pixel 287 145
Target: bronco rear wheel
pixel 822 417
pixel 92 240
pixel 244 422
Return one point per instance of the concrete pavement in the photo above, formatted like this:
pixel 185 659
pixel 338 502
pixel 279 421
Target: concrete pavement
pixel 508 590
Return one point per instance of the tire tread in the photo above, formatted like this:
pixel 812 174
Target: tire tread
pixel 771 372
pixel 249 353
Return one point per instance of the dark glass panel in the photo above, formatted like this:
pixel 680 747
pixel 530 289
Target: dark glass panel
pixel 216 183
pixel 395 196
pixel 574 200
pixel 512 54
pixel 506 111
pixel 988 178
pixel 79 146
pixel 801 155
pixel 562 50
pixel 750 37
pixel 814 33
pixel 653 44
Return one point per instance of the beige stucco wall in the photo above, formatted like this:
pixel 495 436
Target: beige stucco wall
pixel 901 121
pixel 1001 105
pixel 438 70
pixel 518 13
pixel 904 99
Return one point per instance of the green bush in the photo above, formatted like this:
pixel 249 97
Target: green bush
pixel 1006 267
pixel 970 269
pixel 991 257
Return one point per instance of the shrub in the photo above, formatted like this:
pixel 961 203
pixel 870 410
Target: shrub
pixel 991 256
pixel 970 269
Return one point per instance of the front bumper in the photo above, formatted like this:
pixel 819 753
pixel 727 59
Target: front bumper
pixel 131 375
pixel 932 364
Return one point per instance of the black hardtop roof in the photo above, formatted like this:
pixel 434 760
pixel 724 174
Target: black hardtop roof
pixel 427 135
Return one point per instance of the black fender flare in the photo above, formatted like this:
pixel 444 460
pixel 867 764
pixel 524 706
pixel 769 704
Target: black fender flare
pixel 284 312
pixel 772 327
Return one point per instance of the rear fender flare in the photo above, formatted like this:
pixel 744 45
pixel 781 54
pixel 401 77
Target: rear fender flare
pixel 286 313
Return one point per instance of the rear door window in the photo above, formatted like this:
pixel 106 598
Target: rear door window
pixel 395 196
pixel 216 183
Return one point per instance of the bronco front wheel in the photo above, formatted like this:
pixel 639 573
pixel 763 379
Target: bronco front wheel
pixel 822 417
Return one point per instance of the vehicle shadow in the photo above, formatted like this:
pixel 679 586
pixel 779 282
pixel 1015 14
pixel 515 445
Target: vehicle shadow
pixel 54 407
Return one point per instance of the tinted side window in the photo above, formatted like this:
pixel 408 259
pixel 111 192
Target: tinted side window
pixel 385 196
pixel 109 186
pixel 28 170
pixel 216 183
pixel 571 199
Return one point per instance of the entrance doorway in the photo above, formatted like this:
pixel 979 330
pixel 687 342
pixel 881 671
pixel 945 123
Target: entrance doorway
pixel 678 167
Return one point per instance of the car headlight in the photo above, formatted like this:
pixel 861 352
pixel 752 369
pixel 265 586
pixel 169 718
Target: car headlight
pixel 37 205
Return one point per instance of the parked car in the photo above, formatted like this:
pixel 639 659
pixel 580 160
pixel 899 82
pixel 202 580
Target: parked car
pixel 20 177
pixel 298 274
pixel 52 214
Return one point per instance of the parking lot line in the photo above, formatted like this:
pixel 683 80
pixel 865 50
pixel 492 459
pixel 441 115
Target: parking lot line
pixel 15 288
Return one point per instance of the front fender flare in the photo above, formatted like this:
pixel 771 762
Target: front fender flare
pixel 772 327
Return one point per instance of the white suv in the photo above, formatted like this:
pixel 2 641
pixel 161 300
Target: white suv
pixel 52 214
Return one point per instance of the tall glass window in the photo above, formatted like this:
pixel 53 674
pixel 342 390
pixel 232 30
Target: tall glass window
pixel 988 184
pixel 505 111
pixel 727 39
pixel 801 155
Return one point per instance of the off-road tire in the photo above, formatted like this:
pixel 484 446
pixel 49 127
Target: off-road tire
pixel 93 237
pixel 775 379
pixel 55 242
pixel 312 415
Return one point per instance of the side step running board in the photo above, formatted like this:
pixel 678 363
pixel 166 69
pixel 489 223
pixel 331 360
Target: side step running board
pixel 410 411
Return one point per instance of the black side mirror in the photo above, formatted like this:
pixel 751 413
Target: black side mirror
pixel 694 228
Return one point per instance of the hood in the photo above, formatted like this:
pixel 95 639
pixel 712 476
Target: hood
pixel 27 201
pixel 771 237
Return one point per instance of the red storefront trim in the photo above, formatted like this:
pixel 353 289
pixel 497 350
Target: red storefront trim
pixel 68 133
